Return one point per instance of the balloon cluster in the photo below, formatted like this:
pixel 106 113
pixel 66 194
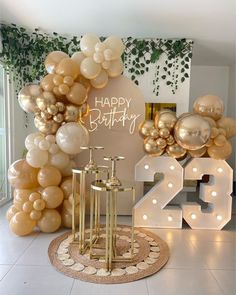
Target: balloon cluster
pixel 202 133
pixel 42 197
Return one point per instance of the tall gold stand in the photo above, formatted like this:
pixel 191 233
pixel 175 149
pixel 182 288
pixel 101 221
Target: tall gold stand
pixel 111 188
pixel 90 169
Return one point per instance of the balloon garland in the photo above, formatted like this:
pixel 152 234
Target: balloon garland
pixel 203 133
pixel 42 182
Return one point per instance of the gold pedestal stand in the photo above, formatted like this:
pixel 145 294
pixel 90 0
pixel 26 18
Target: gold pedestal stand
pixel 90 169
pixel 111 188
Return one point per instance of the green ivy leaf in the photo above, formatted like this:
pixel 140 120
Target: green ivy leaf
pixel 156 55
pixel 182 79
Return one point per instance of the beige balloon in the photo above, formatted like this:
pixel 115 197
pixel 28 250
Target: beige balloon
pixel 67 218
pixel 53 196
pixel 220 152
pixel 214 131
pixel 146 128
pixel 53 59
pixel 101 80
pixel 21 175
pixel 116 68
pixel 87 44
pixel 50 221
pixel 27 207
pixel 21 224
pixel 49 176
pixel 36 157
pixel 27 98
pixel 35 215
pixel 220 140
pixel 175 151
pixel 89 68
pixel 60 160
pixel 39 204
pixel 165 119
pixel 68 67
pixel 229 125
pixel 192 132
pixel 198 153
pixel 66 187
pixel 47 82
pixel 78 57
pixel 45 99
pixel 116 45
pixel 11 212
pixel 77 94
pixel 209 105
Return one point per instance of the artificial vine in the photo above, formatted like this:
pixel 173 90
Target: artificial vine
pixel 23 53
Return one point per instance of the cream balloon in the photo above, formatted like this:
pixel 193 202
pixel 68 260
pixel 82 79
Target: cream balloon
pixel 49 176
pixel 68 67
pixel 77 94
pixel 78 57
pixel 89 68
pixel 71 136
pixel 21 224
pixel 37 158
pixel 101 80
pixel 54 148
pixel 87 44
pixel 50 221
pixel 53 59
pixel 29 141
pixel 53 196
pixel 27 98
pixel 116 45
pixel 116 68
pixel 60 160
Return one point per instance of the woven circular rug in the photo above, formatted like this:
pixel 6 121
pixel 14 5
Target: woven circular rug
pixel 151 254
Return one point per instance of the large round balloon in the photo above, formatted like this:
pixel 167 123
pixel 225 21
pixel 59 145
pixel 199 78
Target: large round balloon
pixel 53 59
pixel 68 67
pixel 53 196
pixel 71 136
pixel 209 105
pixel 29 141
pixel 27 98
pixel 48 176
pixel 77 94
pixel 21 224
pixel 36 157
pixel 116 46
pixel 50 221
pixel 21 175
pixel 87 44
pixel 89 68
pixel 66 187
pixel 192 132
pixel 60 160
pixel 220 152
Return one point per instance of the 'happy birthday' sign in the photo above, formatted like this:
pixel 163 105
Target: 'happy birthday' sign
pixel 112 112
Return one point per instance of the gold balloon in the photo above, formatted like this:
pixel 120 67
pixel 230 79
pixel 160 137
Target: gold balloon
pixel 209 142
pixel 66 187
pixel 229 125
pixel 21 224
pixel 44 100
pixel 57 80
pixel 61 106
pixel 175 151
pixel 220 152
pixel 72 113
pixel 214 132
pixel 11 212
pixel 52 109
pixel 53 196
pixel 198 153
pixel 27 207
pixel 46 126
pixel 222 131
pixel 161 142
pixel 146 127
pixel 20 197
pixel 63 89
pixel 35 215
pixel 47 82
pixel 50 221
pixel 39 204
pixel 192 132
pixel 53 59
pixel 170 140
pixel 21 175
pixel 165 119
pixel 220 140
pixel 59 118
pixel 151 147
pixel 154 133
pixel 27 98
pixel 49 176
pixel 209 105
pixel 164 132
pixel 34 196
pixel 45 115
pixel 77 94
pixel 211 121
pixel 68 67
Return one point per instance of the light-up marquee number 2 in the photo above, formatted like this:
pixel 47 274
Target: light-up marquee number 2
pixel 151 210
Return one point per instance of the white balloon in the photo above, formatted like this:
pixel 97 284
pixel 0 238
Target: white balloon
pixel 59 160
pixel 116 45
pixel 100 47
pixel 29 141
pixel 115 69
pixel 38 139
pixel 71 136
pixel 51 138
pixel 87 44
pixel 54 148
pixel 37 158
pixel 98 57
pixel 44 145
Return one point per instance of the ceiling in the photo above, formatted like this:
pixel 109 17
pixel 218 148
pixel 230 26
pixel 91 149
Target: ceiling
pixel 210 23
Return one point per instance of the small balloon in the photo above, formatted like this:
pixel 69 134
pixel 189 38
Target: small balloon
pixel 161 143
pixel 164 132
pixel 151 147
pixel 101 80
pixel 72 113
pixel 87 44
pixel 39 204
pixel 47 82
pixel 29 141
pixel 220 152
pixel 45 99
pixel 176 151
pixel 49 176
pixel 220 140
pixel 146 127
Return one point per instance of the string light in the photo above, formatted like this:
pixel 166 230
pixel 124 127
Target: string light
pixel 170 218
pixel 154 201
pixel 214 194
pixel 220 170
pixel 193 216
pixel 194 169
pixel 170 185
pixel 144 217
pixel 219 217
pixel 146 167
pixel 172 167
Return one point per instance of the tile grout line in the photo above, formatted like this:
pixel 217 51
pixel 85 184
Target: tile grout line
pixel 147 286
pixel 218 284
pixel 12 266
pixel 72 286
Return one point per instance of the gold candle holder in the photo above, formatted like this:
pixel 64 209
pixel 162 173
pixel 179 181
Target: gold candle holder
pixel 112 187
pixel 90 169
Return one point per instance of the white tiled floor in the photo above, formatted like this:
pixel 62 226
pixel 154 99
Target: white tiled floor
pixel 201 263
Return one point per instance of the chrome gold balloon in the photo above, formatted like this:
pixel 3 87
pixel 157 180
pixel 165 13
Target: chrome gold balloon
pixel 146 127
pixel 151 147
pixel 164 132
pixel 209 105
pixel 165 119
pixel 27 98
pixel 175 151
pixel 161 142
pixel 72 113
pixel 44 100
pixel 192 132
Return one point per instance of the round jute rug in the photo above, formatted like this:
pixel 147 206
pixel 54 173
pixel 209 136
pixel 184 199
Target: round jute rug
pixel 151 254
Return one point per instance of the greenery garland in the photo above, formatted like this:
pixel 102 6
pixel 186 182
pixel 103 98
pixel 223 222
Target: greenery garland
pixel 23 54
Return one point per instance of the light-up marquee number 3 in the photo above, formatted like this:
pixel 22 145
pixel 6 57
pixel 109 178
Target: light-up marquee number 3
pixel 152 209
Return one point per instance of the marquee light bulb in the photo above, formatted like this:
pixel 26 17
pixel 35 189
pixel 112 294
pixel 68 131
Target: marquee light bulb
pixel 154 201
pixel 220 170
pixel 214 194
pixel 194 169
pixel 170 185
pixel 172 167
pixel 145 217
pixel 193 216
pixel 219 217
pixel 170 218
pixel 146 166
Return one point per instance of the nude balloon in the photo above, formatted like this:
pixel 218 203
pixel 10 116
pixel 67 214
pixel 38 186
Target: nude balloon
pixel 36 157
pixel 53 196
pixel 77 94
pixel 49 176
pixel 87 44
pixel 53 59
pixel 68 67
pixel 21 224
pixel 50 221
